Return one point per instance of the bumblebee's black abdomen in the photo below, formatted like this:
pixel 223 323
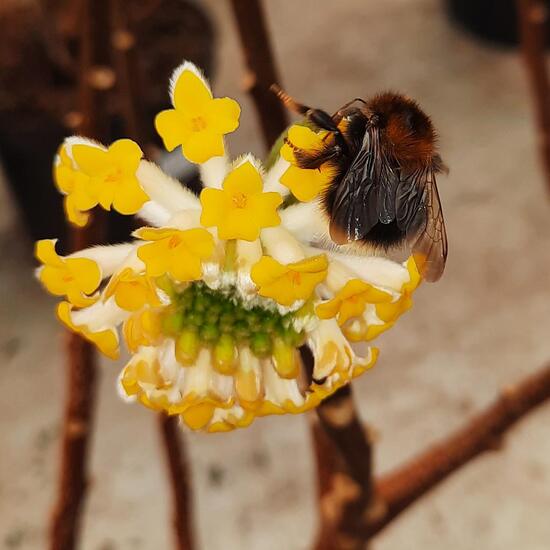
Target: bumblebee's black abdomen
pixel 385 235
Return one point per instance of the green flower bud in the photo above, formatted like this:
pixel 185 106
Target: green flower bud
pixel 209 333
pixel 195 318
pixel 187 346
pixel 285 359
pixel 240 328
pixel 172 323
pixel 261 344
pixel 225 354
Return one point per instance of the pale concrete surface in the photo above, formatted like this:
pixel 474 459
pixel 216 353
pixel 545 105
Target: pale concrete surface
pixel 483 326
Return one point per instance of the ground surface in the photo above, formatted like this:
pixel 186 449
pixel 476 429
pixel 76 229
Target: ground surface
pixel 483 326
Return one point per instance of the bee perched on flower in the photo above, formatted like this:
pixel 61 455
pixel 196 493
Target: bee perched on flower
pixel 218 297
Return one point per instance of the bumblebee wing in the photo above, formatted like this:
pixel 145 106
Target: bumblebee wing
pixel 365 195
pixel 419 214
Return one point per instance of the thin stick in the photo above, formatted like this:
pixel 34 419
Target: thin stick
pixel 176 460
pixel 342 449
pixel 81 373
pixel 344 470
pixel 259 58
pixel 484 432
pixel 128 78
pixel 533 24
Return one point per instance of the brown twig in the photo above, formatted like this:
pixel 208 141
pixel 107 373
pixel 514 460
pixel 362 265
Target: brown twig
pixel 180 481
pixel 128 78
pixel 404 486
pixel 81 376
pixel 344 470
pixel 533 25
pixel 262 71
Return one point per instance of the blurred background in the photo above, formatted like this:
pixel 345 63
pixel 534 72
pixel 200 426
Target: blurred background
pixel 482 327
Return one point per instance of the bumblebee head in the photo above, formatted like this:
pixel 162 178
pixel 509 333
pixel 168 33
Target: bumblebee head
pixel 405 128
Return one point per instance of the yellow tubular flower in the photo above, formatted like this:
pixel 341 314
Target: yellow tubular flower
pixel 288 283
pixel 305 184
pixel 131 290
pixel 198 122
pixel 351 301
pixel 76 186
pixel 240 210
pixel 179 253
pixel 142 328
pixel 112 174
pixel 105 340
pixel 75 278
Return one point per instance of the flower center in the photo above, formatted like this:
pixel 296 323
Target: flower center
pixel 239 200
pixel 68 278
pixel 198 123
pixel 200 316
pixel 113 176
pixel 174 241
pixel 295 277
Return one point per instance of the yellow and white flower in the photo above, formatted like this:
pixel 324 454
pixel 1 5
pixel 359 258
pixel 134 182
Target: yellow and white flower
pixel 219 295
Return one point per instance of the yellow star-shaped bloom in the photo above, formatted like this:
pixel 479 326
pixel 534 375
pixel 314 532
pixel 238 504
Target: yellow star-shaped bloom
pixel 75 278
pixel 112 174
pixel 305 184
pixel 179 253
pixel 351 301
pixel 131 290
pixel 240 209
pixel 291 282
pixel 198 121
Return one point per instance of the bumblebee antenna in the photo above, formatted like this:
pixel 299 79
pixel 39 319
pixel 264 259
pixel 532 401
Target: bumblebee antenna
pixel 320 118
pixel 288 101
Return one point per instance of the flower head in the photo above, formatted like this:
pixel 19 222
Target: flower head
pixel 197 122
pixel 73 277
pixel 215 319
pixel 174 252
pixel 75 186
pixel 305 184
pixel 112 174
pixel 240 209
pixel 289 283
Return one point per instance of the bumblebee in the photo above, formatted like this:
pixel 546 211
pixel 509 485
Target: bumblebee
pixel 383 193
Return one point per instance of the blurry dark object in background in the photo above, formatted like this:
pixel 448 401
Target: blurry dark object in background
pixel 492 20
pixel 38 89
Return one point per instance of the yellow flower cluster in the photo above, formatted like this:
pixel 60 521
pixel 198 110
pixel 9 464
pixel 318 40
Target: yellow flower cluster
pixel 218 293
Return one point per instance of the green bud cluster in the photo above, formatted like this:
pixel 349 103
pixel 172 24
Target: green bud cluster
pixel 200 316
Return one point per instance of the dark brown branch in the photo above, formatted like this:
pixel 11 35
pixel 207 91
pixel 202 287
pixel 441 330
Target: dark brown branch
pixel 81 374
pixel 128 78
pixel 533 25
pixel 344 470
pixel 484 432
pixel 262 72
pixel 180 481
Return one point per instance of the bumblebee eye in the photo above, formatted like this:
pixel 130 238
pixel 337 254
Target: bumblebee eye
pixel 410 121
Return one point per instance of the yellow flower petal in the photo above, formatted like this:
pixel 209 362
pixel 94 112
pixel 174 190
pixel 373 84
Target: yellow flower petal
pixel 223 115
pixel 190 92
pixel 106 340
pixel 199 147
pixel 172 128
